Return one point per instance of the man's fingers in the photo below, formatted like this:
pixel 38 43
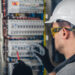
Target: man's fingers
pixel 38 54
pixel 21 62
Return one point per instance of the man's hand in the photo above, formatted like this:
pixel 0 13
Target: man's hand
pixel 21 68
pixel 52 73
pixel 46 60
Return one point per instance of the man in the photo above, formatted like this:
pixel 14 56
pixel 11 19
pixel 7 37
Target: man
pixel 63 32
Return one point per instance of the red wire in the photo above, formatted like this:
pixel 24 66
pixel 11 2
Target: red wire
pixel 4 6
pixel 18 55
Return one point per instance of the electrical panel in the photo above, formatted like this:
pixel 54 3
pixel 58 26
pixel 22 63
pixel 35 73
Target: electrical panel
pixel 25 6
pixel 35 68
pixel 26 51
pixel 1 42
pixel 10 68
pixel 25 27
pixel 25 48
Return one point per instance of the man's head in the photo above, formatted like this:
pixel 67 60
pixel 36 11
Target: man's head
pixel 63 25
pixel 64 33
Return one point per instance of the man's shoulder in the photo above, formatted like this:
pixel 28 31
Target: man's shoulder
pixel 69 69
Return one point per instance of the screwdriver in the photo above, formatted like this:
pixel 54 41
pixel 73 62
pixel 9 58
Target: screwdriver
pixel 18 55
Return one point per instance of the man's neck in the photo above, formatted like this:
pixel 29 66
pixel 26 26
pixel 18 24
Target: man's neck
pixel 69 49
pixel 69 52
pixel 68 56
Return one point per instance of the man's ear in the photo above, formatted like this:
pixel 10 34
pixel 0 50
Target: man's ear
pixel 65 33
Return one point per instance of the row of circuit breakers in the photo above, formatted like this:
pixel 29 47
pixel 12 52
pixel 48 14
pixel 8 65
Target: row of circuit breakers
pixel 23 29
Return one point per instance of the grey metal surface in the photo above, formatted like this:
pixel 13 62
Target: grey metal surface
pixel 1 44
